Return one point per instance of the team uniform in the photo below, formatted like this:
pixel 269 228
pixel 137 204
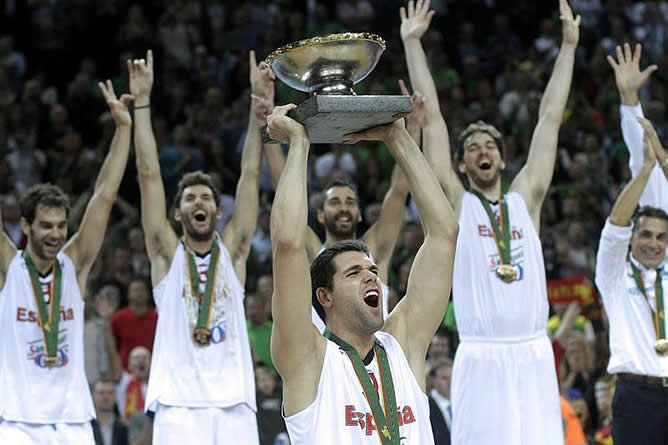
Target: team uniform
pixel 204 392
pixel 340 413
pixel 40 405
pixel 320 324
pixel 504 385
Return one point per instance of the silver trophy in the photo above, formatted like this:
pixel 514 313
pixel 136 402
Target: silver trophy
pixel 327 68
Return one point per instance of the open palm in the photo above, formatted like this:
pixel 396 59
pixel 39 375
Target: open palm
pixel 627 68
pixel 415 22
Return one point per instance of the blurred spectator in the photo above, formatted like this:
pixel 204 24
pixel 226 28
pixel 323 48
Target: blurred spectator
pixel 269 419
pixel 338 160
pixel 261 241
pixel 11 217
pixel 98 352
pixel 107 428
pixel 131 390
pixel 440 407
pixel 135 325
pixel 26 162
pixel 259 328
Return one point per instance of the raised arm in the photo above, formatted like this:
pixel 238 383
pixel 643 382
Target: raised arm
pixel 297 349
pixel 84 245
pixel 161 240
pixel 415 319
pixel 435 137
pixel 659 153
pixel 629 80
pixel 533 181
pixel 7 252
pixel 239 232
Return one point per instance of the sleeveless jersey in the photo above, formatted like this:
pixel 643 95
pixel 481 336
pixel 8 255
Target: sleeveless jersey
pixel 340 413
pixel 31 392
pixel 184 373
pixel 484 304
pixel 320 324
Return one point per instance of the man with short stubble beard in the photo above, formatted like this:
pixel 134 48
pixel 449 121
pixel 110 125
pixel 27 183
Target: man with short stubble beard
pixel 45 396
pixel 201 384
pixel 504 385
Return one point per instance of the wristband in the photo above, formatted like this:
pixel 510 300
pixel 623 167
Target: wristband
pixel 143 106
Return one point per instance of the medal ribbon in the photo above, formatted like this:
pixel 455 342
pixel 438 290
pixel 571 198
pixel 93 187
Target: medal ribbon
pixel 49 326
pixel 387 423
pixel 501 233
pixel 659 314
pixel 204 311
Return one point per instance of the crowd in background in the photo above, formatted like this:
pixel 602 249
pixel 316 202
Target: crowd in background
pixel 490 60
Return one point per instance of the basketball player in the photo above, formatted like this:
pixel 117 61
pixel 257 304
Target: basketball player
pixel 201 383
pixel 504 386
pixel 363 382
pixel 45 396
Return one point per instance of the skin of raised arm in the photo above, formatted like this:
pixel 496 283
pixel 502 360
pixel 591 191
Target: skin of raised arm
pixel 84 245
pixel 628 76
pixel 239 232
pixel 297 349
pixel 436 140
pixel 628 199
pixel 655 144
pixel 161 240
pixel 415 320
pixel 7 252
pixel 533 181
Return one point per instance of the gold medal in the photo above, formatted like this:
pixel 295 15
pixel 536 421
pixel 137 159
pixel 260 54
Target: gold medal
pixel 507 273
pixel 202 336
pixel 386 432
pixel 661 346
pixel 52 362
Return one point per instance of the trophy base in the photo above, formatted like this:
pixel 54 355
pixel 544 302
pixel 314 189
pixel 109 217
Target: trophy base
pixel 327 118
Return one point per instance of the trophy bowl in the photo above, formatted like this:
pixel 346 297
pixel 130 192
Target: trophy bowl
pixel 329 64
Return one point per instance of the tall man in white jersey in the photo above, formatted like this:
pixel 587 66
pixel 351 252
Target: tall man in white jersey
pixel 325 378
pixel 630 79
pixel 504 386
pixel 201 385
pixel 45 397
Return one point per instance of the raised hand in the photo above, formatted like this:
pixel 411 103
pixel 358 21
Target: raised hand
pixel 281 127
pixel 141 77
pixel 570 28
pixel 261 79
pixel 628 76
pixel 119 107
pixel 652 149
pixel 416 22
pixel 416 117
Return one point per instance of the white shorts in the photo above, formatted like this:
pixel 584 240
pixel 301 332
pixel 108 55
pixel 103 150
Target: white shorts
pixel 46 434
pixel 504 391
pixel 213 426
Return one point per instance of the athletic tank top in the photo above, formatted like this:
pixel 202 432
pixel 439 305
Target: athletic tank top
pixel 184 373
pixel 484 304
pixel 31 392
pixel 340 413
pixel 320 324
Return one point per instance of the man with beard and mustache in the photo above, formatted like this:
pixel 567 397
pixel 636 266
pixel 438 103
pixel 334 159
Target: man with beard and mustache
pixel 334 383
pixel 504 386
pixel 45 394
pixel 201 383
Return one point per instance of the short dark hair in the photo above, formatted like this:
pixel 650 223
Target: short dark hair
pixel 195 178
pixel 649 212
pixel 478 127
pixel 103 378
pixel 323 268
pixel 337 183
pixel 47 195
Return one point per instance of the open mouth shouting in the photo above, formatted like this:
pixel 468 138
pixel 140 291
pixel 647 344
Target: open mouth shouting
pixel 200 216
pixel 372 298
pixel 484 165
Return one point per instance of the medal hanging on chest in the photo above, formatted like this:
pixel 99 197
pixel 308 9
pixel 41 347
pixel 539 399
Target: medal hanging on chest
pixel 501 232
pixel 202 330
pixel 658 315
pixel 48 320
pixel 387 423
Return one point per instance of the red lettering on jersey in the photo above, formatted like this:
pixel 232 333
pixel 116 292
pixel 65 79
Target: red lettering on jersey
pixel 408 415
pixel 70 314
pixel 370 427
pixel 32 317
pixel 350 415
pixel 483 230
pixel 21 314
pixel 400 417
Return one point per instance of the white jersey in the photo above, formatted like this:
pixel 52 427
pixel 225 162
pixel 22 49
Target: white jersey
pixel 31 392
pixel 320 324
pixel 184 373
pixel 340 413
pixel 486 306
